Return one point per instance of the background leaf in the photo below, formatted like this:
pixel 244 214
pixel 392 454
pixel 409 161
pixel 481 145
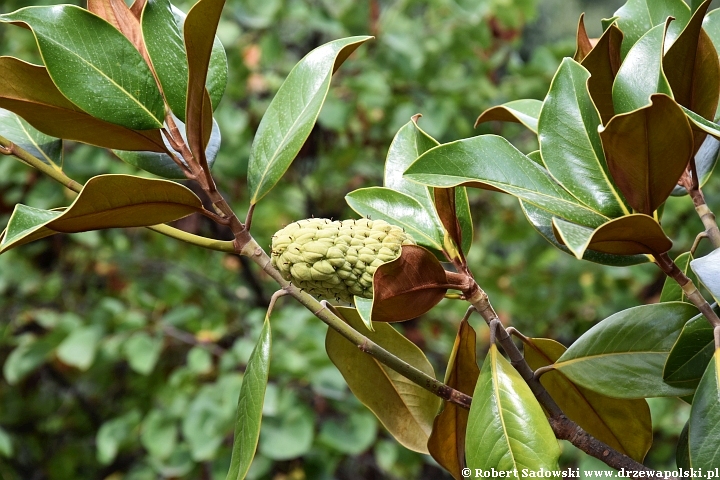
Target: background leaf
pixel 292 114
pixel 507 428
pixel 623 356
pixel 250 406
pixel 625 425
pixel 80 52
pixel 404 408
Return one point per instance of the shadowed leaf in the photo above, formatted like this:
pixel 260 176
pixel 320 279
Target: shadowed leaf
pixel 106 201
pixel 491 162
pixel 46 148
pixel 703 432
pixel 569 142
pixel 250 405
pixel 447 440
pixel 404 408
pixel 641 73
pixel 603 63
pixel 28 91
pixel 446 208
pixel 647 151
pixel 408 286
pixel 629 235
pixel 292 114
pixel 624 425
pixel 81 54
pixel 623 356
pixel 691 353
pixel 671 291
pixel 507 428
pixel 583 45
pixel 517 111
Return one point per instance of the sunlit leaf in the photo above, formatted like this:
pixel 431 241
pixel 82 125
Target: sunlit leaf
pixel 250 406
pixel 517 111
pixel 80 51
pixel 623 356
pixel 637 17
pixel 292 114
pixel 404 408
pixel 507 428
pixel 623 424
pixel 134 202
pixel 647 151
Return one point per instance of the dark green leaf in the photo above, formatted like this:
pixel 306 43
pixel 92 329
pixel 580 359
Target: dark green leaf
pixel 682 454
pixel 292 114
pixel 703 432
pixel 489 161
pixel 641 73
pixel 570 144
pixel 250 405
pixel 404 408
pixel 636 17
pixel 623 356
pixel 46 148
pixel 707 269
pixel 81 54
pixel 135 202
pixel 518 111
pixel 691 353
pixel 647 151
pixel 507 428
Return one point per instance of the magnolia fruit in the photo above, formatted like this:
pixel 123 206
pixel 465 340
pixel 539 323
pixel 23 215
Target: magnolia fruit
pixel 336 259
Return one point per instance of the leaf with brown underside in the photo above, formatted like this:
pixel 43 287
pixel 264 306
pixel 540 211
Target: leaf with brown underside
pixel 137 8
pixel 406 409
pixel 28 91
pixel 199 31
pixel 647 151
pixel 624 425
pixel 117 13
pixel 447 440
pixel 446 208
pixel 603 63
pixel 583 44
pixel 408 286
pixel 693 70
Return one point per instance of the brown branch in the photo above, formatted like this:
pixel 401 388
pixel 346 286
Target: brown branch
pixel 691 182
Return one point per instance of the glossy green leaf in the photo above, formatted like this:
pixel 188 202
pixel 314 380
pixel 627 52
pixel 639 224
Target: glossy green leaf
pixel 636 17
pixel 489 161
pixel 707 269
pixel 541 220
pixel 250 406
pixel 703 431
pixel 647 151
pixel 46 148
pixel 507 428
pixel 404 408
pixel 80 51
pixel 623 424
pixel 28 91
pixel 691 353
pixel 165 46
pixel 447 441
pixel 134 202
pixel 671 291
pixel 292 114
pixel 526 112
pixel 380 203
pixel 79 348
pixel 641 73
pixel 623 356
pixel 603 63
pixel 692 69
pixel 629 235
pixel 161 164
pixel 570 144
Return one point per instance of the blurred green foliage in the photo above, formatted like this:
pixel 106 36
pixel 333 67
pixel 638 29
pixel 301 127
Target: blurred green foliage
pixel 123 351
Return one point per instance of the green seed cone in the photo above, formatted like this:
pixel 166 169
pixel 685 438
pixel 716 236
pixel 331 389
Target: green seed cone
pixel 336 259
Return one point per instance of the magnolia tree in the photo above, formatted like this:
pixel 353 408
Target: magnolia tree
pixel 627 122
